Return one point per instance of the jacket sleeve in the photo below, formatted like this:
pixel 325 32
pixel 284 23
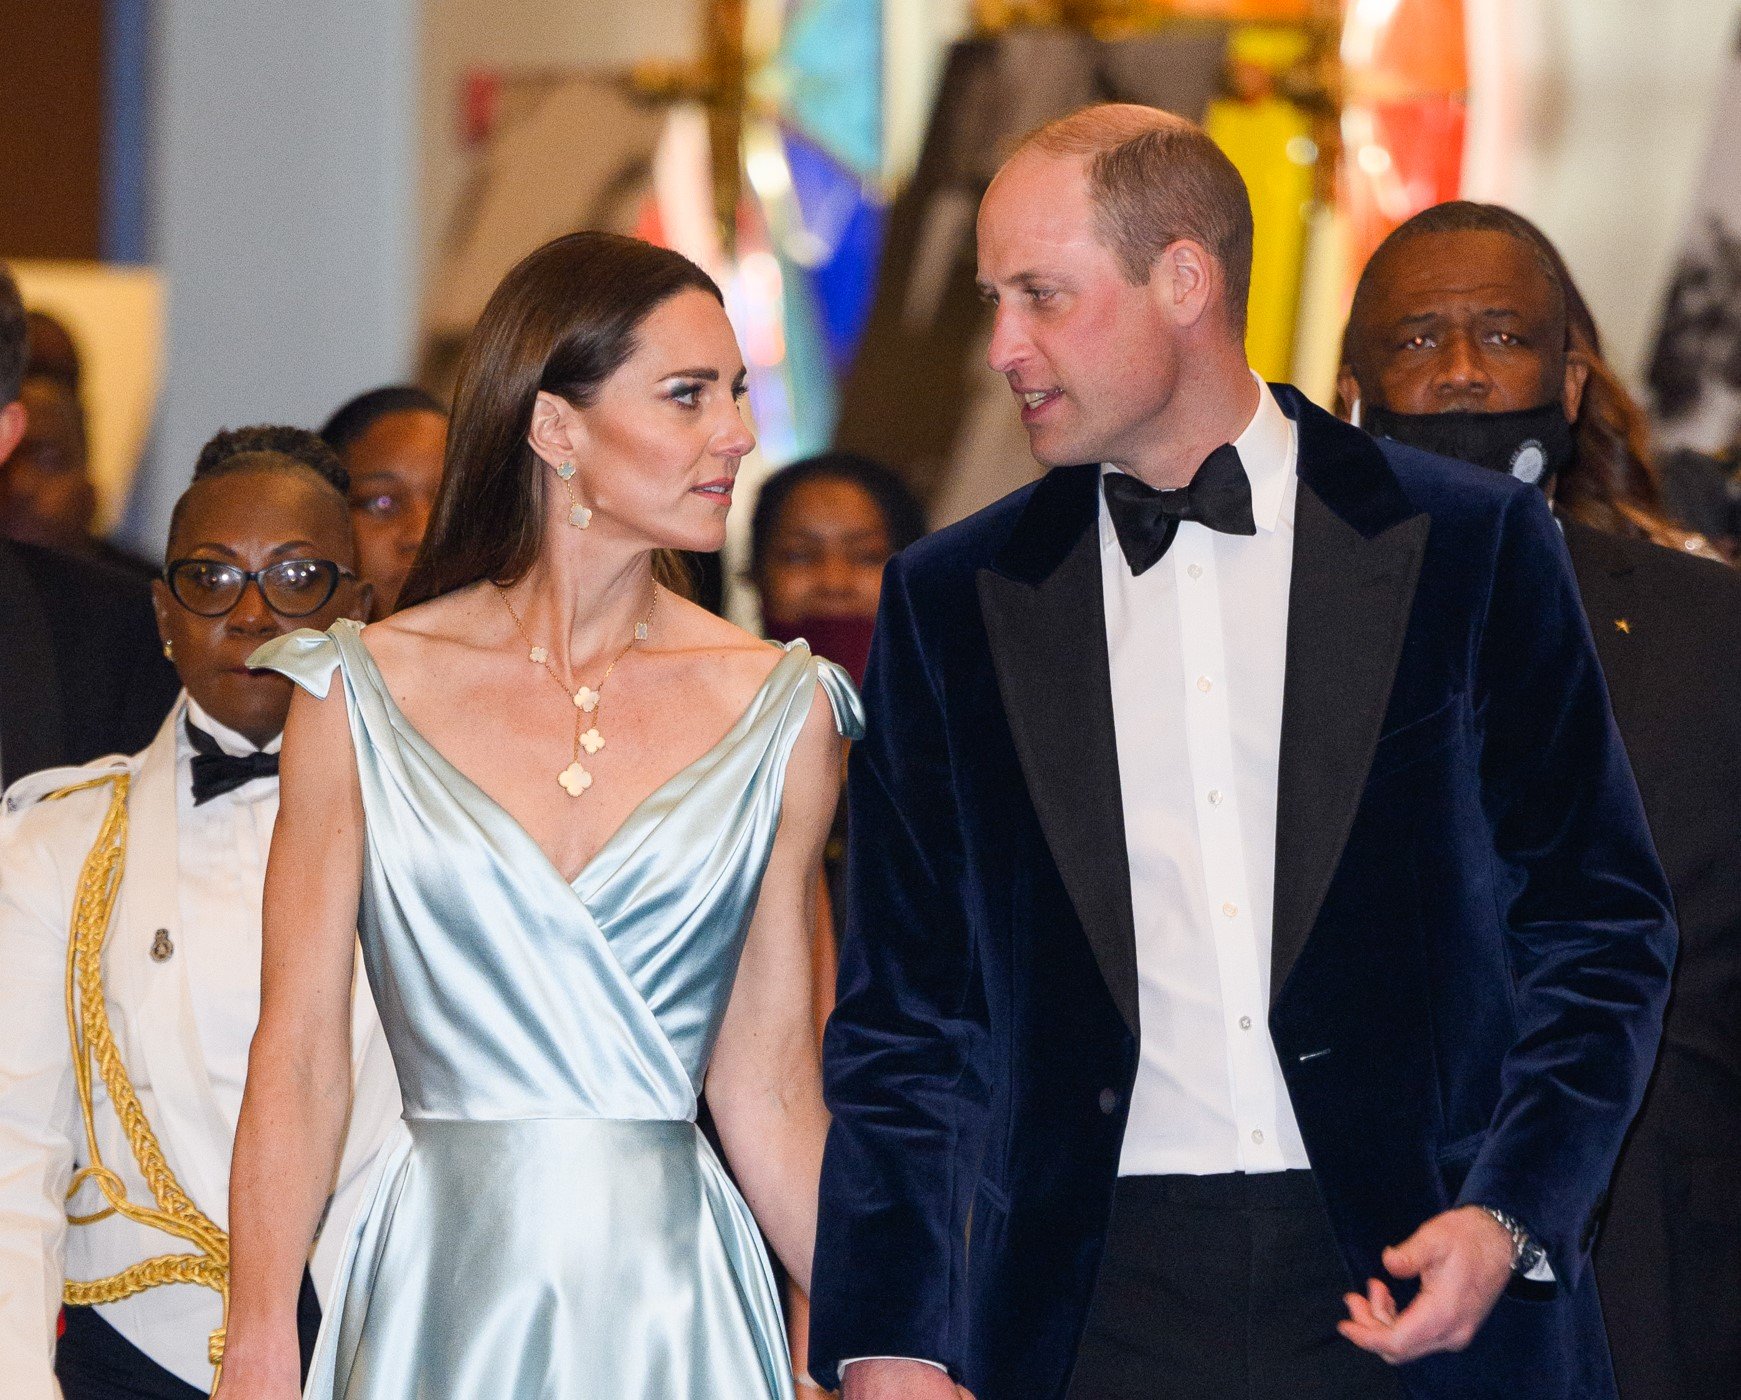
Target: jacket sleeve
pixel 1587 909
pixel 903 1051
pixel 38 1108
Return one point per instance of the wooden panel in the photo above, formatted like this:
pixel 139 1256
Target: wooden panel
pixel 51 126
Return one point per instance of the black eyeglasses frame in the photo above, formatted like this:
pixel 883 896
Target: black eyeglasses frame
pixel 335 573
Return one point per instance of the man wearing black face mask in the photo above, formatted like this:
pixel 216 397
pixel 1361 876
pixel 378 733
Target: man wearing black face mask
pixel 1458 344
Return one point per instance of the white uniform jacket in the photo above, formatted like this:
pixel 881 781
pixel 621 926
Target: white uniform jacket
pixel 155 1023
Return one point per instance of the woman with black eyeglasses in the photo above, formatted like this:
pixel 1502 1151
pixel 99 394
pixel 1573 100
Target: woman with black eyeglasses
pixel 145 876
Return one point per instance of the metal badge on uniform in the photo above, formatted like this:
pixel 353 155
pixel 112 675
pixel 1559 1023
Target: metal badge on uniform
pixel 162 950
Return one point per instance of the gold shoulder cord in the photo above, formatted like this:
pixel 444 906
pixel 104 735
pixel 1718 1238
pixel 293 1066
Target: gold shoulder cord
pixel 88 1025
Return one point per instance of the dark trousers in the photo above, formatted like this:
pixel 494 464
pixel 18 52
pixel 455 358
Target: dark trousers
pixel 95 1362
pixel 1222 1288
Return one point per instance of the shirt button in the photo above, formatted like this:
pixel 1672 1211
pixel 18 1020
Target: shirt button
pixel 1245 1023
pixel 1108 1101
pixel 1195 570
pixel 1214 797
pixel 1257 1136
pixel 1230 909
pixel 1204 684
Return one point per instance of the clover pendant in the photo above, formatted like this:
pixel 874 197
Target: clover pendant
pixel 566 471
pixel 539 656
pixel 574 779
pixel 592 741
pixel 579 517
pixel 586 699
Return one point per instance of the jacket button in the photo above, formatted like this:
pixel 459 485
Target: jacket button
pixel 162 950
pixel 1108 1101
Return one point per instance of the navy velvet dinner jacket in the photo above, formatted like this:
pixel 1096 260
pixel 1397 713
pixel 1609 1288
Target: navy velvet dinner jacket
pixel 1472 936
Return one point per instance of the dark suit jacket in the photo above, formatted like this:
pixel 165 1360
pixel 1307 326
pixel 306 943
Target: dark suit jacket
pixel 1669 1258
pixel 82 672
pixel 1471 947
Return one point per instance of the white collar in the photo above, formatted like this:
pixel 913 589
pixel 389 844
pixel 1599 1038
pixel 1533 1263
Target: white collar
pixel 1267 452
pixel 228 740
pixel 1266 448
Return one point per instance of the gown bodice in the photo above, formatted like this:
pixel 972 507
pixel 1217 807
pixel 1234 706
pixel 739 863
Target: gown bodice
pixel 507 992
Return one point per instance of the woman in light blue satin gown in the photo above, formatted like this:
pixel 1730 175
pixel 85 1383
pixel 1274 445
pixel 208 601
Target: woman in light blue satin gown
pixel 577 823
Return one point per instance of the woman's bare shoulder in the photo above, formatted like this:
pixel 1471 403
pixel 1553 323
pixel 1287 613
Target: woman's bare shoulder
pixel 445 621
pixel 733 660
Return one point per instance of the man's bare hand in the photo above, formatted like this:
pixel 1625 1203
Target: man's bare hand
pixel 1463 1260
pixel 882 1378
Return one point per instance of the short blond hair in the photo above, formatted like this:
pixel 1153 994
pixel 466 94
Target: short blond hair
pixel 1155 178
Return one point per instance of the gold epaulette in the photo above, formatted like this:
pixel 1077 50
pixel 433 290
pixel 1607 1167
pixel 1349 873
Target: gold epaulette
pixel 93 1042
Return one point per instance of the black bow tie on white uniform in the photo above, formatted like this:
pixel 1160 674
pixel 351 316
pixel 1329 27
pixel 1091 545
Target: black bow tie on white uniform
pixel 1146 520
pixel 216 772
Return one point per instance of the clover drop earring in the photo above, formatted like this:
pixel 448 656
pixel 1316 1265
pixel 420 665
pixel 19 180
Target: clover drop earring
pixel 578 515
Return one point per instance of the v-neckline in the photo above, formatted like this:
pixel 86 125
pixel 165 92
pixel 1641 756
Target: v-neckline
pixel 402 722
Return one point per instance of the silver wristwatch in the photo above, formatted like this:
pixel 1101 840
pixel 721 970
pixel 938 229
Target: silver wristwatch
pixel 1526 1254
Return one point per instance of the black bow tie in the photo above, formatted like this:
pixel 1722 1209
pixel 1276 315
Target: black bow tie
pixel 1146 520
pixel 216 772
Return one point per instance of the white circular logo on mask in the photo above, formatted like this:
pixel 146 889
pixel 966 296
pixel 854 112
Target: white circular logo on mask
pixel 1529 462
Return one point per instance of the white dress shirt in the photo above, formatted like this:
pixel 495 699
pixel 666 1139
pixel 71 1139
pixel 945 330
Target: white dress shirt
pixel 1198 649
pixel 224 844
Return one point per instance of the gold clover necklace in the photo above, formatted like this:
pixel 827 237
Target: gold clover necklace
pixel 588 700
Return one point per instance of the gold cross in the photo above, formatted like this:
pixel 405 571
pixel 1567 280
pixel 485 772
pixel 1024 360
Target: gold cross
pixel 1622 625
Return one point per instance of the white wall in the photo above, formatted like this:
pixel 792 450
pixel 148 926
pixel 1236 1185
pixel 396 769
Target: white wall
pixel 282 172
pixel 517 37
pixel 1613 109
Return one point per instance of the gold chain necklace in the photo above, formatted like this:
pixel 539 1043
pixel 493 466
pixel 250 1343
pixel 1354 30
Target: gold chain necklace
pixel 588 700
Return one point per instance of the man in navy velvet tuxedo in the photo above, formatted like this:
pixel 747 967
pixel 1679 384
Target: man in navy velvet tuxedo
pixel 1255 947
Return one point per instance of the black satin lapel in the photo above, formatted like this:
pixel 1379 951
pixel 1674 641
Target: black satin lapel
pixel 30 709
pixel 1048 647
pixel 1348 612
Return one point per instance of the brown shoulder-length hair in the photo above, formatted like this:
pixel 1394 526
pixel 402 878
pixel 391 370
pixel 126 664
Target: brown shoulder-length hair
pixel 562 322
pixel 1613 484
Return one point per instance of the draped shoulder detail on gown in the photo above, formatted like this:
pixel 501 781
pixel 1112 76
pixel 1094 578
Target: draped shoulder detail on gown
pixel 308 657
pixel 842 695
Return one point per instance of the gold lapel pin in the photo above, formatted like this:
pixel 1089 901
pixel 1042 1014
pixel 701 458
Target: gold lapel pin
pixel 1622 625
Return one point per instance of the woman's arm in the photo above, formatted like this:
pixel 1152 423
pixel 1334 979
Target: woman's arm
pixel 299 1067
pixel 765 1082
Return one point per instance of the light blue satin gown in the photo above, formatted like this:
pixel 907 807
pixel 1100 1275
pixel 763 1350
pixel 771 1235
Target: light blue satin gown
pixel 553 1226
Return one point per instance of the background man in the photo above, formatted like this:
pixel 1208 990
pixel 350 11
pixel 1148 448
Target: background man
pixel 82 674
pixel 1459 339
pixel 1250 897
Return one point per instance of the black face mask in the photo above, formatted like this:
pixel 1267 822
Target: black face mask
pixel 1532 444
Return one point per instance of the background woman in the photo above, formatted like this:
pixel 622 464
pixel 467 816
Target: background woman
pixel 822 530
pixel 259 544
pixel 392 441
